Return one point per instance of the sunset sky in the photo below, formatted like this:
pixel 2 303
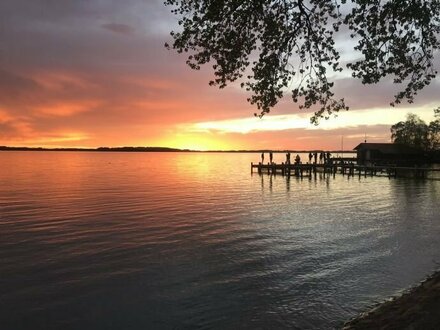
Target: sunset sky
pixel 90 73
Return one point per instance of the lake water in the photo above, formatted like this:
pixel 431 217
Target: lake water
pixel 193 240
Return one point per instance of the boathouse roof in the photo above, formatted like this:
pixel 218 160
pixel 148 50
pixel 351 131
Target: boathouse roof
pixel 388 148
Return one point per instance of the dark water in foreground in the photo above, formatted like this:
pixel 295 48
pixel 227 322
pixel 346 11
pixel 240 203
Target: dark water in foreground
pixel 177 240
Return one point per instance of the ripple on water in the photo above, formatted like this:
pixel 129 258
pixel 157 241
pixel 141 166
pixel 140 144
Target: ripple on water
pixel 98 241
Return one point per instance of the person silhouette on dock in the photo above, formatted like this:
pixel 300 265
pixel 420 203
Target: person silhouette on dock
pixel 297 160
pixel 262 158
pixel 270 157
pixel 288 158
pixel 310 157
pixel 315 155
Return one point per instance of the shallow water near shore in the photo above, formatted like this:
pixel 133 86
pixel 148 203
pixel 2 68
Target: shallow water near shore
pixel 94 240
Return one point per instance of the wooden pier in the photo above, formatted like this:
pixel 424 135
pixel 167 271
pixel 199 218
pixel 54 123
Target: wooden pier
pixel 349 169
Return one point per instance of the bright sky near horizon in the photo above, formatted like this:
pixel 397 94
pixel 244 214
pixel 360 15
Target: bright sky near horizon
pixel 78 73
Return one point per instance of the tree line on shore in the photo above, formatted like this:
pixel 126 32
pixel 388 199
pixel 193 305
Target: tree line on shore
pixel 416 133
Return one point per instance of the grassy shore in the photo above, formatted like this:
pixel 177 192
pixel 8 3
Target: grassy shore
pixel 419 308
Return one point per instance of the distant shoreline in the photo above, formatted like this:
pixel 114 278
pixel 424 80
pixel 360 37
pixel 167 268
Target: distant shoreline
pixel 160 149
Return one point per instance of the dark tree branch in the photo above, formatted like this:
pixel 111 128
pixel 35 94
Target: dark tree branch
pixel 264 37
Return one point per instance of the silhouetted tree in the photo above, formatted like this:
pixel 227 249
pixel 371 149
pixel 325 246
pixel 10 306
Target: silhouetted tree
pixel 434 131
pixel 414 132
pixel 269 42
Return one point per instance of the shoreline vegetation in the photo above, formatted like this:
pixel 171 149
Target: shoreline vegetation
pixel 417 308
pixel 158 149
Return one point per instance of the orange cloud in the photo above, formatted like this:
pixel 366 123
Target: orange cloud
pixel 53 140
pixel 57 80
pixel 194 141
pixel 4 116
pixel 151 82
pixel 67 109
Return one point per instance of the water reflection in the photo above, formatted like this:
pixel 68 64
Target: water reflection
pixel 316 179
pixel 97 241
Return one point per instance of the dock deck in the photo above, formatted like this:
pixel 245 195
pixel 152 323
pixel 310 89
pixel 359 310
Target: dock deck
pixel 351 169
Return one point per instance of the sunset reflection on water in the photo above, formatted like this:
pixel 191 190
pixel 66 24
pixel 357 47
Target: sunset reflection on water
pixel 168 240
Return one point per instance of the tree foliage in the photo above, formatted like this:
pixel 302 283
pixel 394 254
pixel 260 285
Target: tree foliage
pixel 434 131
pixel 414 132
pixel 271 45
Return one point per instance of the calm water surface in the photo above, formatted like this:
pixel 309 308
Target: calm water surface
pixel 193 240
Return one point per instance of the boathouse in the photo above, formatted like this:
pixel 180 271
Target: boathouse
pixel 387 153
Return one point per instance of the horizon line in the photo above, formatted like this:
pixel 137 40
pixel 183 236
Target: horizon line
pixel 159 149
